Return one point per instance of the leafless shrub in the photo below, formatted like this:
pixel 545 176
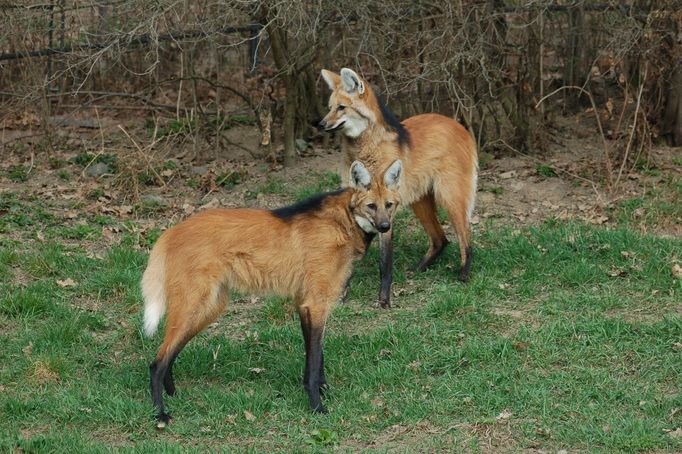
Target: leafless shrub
pixel 488 63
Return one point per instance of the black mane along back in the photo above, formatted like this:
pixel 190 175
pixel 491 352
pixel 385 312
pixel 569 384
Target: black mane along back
pixel 306 206
pixel 393 122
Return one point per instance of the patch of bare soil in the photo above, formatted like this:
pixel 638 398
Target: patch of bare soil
pixel 565 184
pixel 160 182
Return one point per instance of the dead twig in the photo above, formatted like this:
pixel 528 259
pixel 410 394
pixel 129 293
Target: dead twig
pixel 609 167
pixel 634 127
pixel 145 156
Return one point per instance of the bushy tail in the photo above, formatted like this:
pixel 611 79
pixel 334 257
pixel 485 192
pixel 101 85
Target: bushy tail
pixel 154 291
pixel 472 198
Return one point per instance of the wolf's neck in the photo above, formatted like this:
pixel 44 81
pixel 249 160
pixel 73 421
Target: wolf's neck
pixel 374 136
pixel 357 238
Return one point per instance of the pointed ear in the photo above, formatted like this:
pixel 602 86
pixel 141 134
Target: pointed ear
pixel 359 176
pixel 393 174
pixel 333 80
pixel 351 82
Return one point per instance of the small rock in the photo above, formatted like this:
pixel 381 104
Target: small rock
pixel 97 170
pixel 153 199
pixel 485 198
pixel 200 170
pixel 517 186
pixel 301 145
pixel 508 175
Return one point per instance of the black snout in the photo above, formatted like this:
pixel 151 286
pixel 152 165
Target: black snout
pixel 322 124
pixel 384 227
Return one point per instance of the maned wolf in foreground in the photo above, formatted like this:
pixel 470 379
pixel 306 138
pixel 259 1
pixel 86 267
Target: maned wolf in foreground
pixel 304 251
pixel 440 165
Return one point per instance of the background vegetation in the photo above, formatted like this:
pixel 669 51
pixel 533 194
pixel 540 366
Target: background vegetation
pixel 506 69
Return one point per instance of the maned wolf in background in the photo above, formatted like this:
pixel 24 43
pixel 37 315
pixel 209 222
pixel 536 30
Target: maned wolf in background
pixel 440 165
pixel 304 251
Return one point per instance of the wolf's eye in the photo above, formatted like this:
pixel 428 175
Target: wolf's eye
pixel 341 107
pixel 372 206
pixel 389 204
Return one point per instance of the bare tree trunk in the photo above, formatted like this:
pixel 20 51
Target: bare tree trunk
pixel 289 120
pixel 672 117
pixel 279 52
pixel 573 56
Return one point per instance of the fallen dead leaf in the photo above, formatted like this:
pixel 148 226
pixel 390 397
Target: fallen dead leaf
pixel 230 419
pixel 505 414
pixel 677 433
pixel 599 220
pixel 508 175
pixel 677 271
pixel 617 272
pixel 108 233
pixel 415 365
pixel 249 416
pixel 213 203
pixel 68 282
pixel 256 370
pixel 28 349
pixel 188 209
pixel 520 346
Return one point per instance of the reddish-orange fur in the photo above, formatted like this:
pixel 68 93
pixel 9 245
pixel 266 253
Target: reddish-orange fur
pixel 439 161
pixel 307 256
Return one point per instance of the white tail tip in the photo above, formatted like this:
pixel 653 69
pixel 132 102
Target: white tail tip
pixel 154 292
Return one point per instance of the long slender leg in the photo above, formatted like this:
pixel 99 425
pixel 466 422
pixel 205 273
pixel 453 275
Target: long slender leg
pixel 314 320
pixel 321 377
pixel 385 267
pixel 305 327
pixel 466 267
pixel 168 382
pixel 457 212
pixel 158 372
pixel 425 210
pixel 180 329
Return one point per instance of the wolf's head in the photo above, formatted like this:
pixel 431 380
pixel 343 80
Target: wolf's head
pixel 352 105
pixel 375 200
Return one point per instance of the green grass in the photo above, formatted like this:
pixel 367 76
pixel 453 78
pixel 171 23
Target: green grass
pixel 660 205
pixel 567 337
pixel 324 182
pixel 545 170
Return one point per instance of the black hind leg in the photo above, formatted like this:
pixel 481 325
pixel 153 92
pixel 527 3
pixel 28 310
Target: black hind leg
pixel 157 373
pixel 466 268
pixel 168 382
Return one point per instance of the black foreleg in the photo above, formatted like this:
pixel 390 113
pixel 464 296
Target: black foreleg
pixel 313 375
pixel 386 267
